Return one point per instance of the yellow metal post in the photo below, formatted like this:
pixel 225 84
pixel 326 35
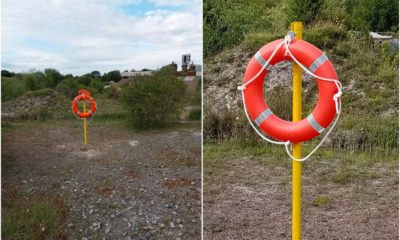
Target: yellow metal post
pixel 297 28
pixel 84 124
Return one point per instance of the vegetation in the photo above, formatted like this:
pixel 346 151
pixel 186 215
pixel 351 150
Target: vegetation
pixel 153 101
pixel 368 70
pixel 16 84
pixel 39 218
pixel 195 114
pixel 227 22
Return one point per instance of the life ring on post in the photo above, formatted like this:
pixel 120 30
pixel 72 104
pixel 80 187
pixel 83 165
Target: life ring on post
pixel 323 114
pixel 85 96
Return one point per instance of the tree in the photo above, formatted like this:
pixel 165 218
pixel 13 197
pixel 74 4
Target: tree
pixel 35 81
pixel 85 79
pixel 5 73
pixel 112 76
pixel 69 87
pixel 96 74
pixel 154 101
pixel 53 77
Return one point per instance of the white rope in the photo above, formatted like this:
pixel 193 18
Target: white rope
pixel 254 127
pixel 336 98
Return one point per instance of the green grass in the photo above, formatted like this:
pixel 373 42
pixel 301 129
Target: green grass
pixel 7 126
pixel 321 201
pixel 27 218
pixel 337 166
pixel 40 92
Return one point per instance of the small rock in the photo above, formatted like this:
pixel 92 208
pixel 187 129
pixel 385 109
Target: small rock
pixel 108 228
pixel 179 221
pixel 171 224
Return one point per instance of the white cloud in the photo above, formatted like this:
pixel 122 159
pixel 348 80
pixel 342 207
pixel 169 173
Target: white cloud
pixel 78 36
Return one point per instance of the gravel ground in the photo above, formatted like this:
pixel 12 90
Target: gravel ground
pixel 122 185
pixel 249 199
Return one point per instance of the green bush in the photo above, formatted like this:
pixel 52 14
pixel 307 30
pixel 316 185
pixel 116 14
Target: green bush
pixel 225 125
pixel 303 10
pixel 113 90
pixel 154 101
pixel 12 87
pixel 325 35
pixel 111 76
pixel 69 87
pixel 372 15
pixel 41 92
pixel 36 80
pixel 98 85
pixel 195 114
pixel 226 22
pixel 53 77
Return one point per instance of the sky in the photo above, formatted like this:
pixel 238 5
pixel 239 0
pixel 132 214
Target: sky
pixel 80 36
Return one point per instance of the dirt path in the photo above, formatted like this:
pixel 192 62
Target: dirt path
pixel 249 198
pixel 123 185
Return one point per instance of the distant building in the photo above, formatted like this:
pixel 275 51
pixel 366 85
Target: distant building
pixel 190 73
pixel 144 72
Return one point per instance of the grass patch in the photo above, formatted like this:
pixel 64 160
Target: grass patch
pixel 338 166
pixel 40 92
pixel 39 218
pixel 7 126
pixel 321 201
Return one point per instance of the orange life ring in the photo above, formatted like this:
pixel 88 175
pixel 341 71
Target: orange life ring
pixel 85 96
pixel 325 110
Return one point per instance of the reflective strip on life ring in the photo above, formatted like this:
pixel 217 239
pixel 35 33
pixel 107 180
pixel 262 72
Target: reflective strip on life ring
pixel 85 96
pixel 325 110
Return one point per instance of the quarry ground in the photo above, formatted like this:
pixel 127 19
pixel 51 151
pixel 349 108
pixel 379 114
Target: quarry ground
pixel 123 185
pixel 247 194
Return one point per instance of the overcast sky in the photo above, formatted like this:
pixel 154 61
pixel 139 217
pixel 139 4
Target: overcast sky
pixel 79 36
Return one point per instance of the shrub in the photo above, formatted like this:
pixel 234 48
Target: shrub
pixel 225 23
pixel 325 35
pixel 69 87
pixel 195 114
pixel 111 76
pixel 303 10
pixel 41 92
pixel 35 81
pixel 154 101
pixel 5 73
pixel 372 15
pixel 113 90
pixel 53 77
pixel 98 85
pixel 84 80
pixel 12 88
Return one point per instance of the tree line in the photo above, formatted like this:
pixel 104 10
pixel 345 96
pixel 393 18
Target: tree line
pixel 16 84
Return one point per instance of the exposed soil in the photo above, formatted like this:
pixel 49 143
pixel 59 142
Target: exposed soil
pixel 247 199
pixel 122 185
